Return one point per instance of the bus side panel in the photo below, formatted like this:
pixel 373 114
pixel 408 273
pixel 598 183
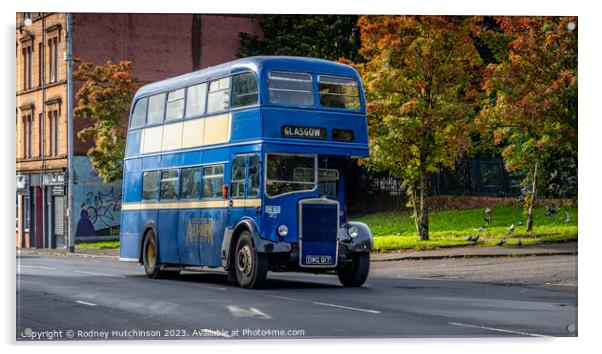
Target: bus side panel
pixel 129 244
pixel 168 236
pixel 189 240
pixel 246 124
pixel 211 241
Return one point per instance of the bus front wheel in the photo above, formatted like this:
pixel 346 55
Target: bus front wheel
pixel 251 267
pixel 150 258
pixel 356 273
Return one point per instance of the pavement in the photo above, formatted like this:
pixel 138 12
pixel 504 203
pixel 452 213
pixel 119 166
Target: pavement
pixel 91 297
pixel 553 249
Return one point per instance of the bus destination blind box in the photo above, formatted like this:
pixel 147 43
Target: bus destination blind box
pixel 289 131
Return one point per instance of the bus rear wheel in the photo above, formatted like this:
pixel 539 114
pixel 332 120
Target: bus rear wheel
pixel 356 273
pixel 150 259
pixel 250 266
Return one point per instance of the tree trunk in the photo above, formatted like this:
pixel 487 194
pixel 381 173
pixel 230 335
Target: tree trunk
pixel 414 197
pixel 531 204
pixel 422 215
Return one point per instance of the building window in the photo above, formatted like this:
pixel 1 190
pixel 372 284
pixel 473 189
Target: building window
pixel 53 117
pixel 53 60
pixel 40 137
pixel 27 62
pixel 27 136
pixel 40 61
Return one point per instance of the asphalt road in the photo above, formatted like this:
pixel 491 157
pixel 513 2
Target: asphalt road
pixel 95 298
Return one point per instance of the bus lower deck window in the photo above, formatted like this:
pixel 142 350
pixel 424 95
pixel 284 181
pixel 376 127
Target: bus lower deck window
pixel 213 180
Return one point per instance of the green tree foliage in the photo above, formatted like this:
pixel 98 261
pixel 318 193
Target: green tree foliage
pixel 104 99
pixel 421 78
pixel 532 98
pixel 319 36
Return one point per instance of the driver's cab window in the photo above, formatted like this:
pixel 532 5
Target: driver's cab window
pixel 328 182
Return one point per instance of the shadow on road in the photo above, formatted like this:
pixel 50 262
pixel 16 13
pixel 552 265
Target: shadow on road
pixel 222 279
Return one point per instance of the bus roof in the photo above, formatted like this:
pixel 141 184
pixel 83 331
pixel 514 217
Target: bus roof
pixel 256 64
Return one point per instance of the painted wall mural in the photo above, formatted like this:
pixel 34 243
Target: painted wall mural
pixel 97 204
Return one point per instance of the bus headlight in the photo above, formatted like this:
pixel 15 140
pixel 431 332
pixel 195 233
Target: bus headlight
pixel 282 230
pixel 353 231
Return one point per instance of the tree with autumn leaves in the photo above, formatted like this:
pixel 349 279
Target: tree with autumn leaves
pixel 104 99
pixel 531 102
pixel 421 78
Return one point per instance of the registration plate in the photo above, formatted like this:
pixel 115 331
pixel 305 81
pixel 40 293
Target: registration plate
pixel 318 260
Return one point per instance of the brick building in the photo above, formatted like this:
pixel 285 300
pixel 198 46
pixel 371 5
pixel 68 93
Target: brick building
pixel 159 45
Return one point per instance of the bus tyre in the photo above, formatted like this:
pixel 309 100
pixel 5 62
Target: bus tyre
pixel 150 259
pixel 251 267
pixel 356 273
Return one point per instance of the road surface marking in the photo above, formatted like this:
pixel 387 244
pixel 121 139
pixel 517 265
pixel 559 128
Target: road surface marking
pixel 85 303
pixel 35 267
pixel 250 312
pixel 324 304
pixel 99 274
pixel 497 329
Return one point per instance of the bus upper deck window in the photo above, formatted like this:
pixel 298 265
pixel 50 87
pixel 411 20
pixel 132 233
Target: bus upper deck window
pixel 195 100
pixel 156 109
pixel 338 92
pixel 175 105
pixel 244 90
pixel 139 113
pixel 219 95
pixel 290 88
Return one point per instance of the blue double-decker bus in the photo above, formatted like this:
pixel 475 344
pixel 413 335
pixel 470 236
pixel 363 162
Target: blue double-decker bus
pixel 241 167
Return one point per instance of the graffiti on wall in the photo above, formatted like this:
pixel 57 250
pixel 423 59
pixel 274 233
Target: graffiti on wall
pixel 99 211
pixel 97 204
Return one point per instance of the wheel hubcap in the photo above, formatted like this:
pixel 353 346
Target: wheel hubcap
pixel 245 260
pixel 151 255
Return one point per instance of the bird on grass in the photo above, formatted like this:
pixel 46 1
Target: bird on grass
pixel 501 242
pixel 551 210
pixel 473 239
pixel 520 243
pixel 510 230
pixel 488 216
pixel 567 216
pixel 520 223
pixel 480 229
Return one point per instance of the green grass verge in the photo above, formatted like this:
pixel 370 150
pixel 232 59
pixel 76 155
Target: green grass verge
pixel 396 230
pixel 100 245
